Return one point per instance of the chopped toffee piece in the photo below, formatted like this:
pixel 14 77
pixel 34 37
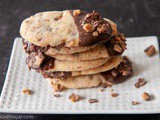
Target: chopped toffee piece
pixel 114 94
pixel 150 51
pixel 88 27
pixel 27 91
pixel 93 100
pixel 76 12
pixel 34 60
pixel 141 82
pixel 74 97
pixel 146 96
pixel 117 48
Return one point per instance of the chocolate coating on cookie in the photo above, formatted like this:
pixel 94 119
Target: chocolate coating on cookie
pixel 121 73
pixel 92 28
pixel 60 74
pixel 116 45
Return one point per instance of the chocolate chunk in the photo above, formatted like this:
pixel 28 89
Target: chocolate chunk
pixel 150 51
pixel 141 82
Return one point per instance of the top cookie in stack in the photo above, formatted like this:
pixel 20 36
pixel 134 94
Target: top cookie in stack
pixel 75 49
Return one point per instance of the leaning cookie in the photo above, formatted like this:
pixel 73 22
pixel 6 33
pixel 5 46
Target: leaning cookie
pixel 115 75
pixel 110 64
pixel 69 27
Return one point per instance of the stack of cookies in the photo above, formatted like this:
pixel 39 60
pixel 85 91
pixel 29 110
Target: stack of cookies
pixel 75 49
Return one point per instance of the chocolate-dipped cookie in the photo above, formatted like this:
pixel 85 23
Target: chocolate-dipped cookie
pixel 55 28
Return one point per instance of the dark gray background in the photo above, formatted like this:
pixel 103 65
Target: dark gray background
pixel 134 18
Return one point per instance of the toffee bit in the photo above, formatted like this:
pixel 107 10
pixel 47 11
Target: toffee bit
pixel 150 51
pixel 88 27
pixel 114 94
pixel 27 91
pixel 135 103
pixel 145 96
pixel 117 48
pixel 74 97
pixel 76 12
pixel 141 82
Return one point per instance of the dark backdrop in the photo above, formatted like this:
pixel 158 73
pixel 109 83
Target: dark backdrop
pixel 134 18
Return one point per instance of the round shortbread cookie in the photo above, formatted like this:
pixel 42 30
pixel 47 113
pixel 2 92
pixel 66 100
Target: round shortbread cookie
pixel 77 82
pixel 54 28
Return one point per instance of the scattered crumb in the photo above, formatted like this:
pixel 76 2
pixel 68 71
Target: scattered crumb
pixel 135 103
pixel 141 82
pixel 57 95
pixel 26 91
pixel 93 100
pixel 74 97
pixel 101 90
pixel 107 84
pixel 114 94
pixel 145 96
pixel 150 51
pixel 112 90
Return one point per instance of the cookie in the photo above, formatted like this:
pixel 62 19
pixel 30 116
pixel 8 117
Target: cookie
pixel 77 82
pixel 110 64
pixel 115 75
pixel 55 28
pixel 97 52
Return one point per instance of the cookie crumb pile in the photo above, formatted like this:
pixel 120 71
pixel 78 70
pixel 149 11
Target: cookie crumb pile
pixel 76 49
